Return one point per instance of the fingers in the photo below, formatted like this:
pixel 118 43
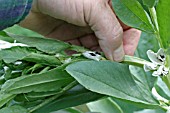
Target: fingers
pixel 94 13
pixel 89 41
pixel 107 29
pixel 130 40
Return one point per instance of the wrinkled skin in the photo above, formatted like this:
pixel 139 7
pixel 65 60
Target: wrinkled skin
pixel 89 23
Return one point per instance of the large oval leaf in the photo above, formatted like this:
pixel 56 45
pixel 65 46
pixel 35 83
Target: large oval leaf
pixel 132 13
pixel 113 79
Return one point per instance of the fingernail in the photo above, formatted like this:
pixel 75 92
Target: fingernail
pixel 118 54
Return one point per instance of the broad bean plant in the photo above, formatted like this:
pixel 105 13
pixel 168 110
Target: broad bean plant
pixel 38 76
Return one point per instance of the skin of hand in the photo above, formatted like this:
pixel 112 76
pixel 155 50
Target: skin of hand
pixel 89 23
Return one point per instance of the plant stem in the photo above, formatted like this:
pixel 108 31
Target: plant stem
pixel 68 87
pixel 155 23
pixel 131 60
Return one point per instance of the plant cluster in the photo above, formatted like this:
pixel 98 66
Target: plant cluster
pixel 38 76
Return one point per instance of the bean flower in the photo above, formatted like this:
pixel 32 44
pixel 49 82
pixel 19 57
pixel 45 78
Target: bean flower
pixel 92 55
pixel 157 64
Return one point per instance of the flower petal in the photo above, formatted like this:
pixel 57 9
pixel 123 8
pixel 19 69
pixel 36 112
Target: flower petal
pixel 153 57
pixel 165 71
pixel 161 55
pixel 156 73
pixel 162 71
pixel 150 66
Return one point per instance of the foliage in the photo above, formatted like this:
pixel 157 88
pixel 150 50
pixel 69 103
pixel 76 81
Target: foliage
pixel 40 77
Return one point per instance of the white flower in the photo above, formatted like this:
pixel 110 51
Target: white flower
pixel 92 55
pixel 18 63
pixel 162 71
pixel 157 58
pixel 5 44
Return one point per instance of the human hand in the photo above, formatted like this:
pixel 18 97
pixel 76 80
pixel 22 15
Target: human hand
pixel 83 22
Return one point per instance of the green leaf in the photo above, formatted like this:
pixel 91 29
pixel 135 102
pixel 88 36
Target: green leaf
pixel 43 44
pixel 163 17
pixel 132 14
pixel 128 107
pixel 41 94
pixel 104 106
pixel 15 53
pixel 110 78
pixel 24 53
pixel 162 89
pixel 150 42
pixel 4 36
pixel 74 97
pixel 4 98
pixel 18 30
pixel 13 109
pixel 52 80
pixel 69 110
pixel 150 3
pixel 42 59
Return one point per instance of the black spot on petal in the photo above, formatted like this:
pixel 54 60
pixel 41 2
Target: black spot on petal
pixel 92 54
pixel 97 53
pixel 162 56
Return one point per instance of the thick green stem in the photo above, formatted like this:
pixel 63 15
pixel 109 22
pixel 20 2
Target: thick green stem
pixel 131 60
pixel 68 87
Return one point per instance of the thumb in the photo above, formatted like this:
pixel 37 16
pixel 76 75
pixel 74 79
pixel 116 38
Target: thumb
pixel 107 29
